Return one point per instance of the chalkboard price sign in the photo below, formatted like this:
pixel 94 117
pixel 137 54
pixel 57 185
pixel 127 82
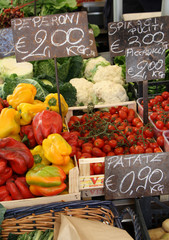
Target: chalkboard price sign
pixel 145 63
pixel 92 49
pixel 44 37
pixel 137 33
pixel 6 43
pixel 130 176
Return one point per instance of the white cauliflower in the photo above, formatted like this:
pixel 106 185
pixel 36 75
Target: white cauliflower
pixel 108 92
pixel 84 90
pixel 111 73
pixel 92 63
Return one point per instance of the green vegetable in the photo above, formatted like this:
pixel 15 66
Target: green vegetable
pixel 69 93
pixel 37 235
pixel 11 82
pixel 95 28
pixel 12 236
pixel 44 67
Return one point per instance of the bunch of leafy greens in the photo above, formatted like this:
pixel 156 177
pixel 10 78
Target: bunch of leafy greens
pixel 46 7
pixel 2 213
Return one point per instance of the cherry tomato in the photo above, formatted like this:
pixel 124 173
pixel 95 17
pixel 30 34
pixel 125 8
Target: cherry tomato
pixel 148 132
pixel 87 149
pixel 79 142
pixel 153 116
pixel 97 152
pixel 159 98
pixel 160 141
pixel 106 148
pixel 114 116
pixel 66 135
pixel 132 149
pixel 99 143
pixel 139 149
pixel 165 95
pixel 153 145
pixel 128 130
pixel 122 114
pixel 86 155
pixel 119 151
pixel 87 144
pixel 97 168
pixel 78 155
pixel 125 109
pixel 131 138
pixel 75 119
pixel 111 127
pixel 164 103
pixel 110 153
pixel 157 149
pixel 153 102
pixel 91 169
pixel 113 143
pixel 166 108
pixel 159 124
pixel 149 150
pixel 71 124
pixel 135 121
pixel 73 151
pixel 112 110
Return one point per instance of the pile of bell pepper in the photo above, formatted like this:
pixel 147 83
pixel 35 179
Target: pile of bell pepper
pixel 34 157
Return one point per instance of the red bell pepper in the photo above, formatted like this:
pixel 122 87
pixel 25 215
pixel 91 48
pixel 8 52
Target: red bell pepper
pixel 46 123
pixel 17 154
pixel 4 194
pixel 13 190
pixel 27 136
pixel 5 175
pixel 3 164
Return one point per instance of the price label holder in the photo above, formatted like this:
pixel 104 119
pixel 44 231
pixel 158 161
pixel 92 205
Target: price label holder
pixel 143 64
pixel 44 37
pixel 136 175
pixel 137 33
pixel 6 43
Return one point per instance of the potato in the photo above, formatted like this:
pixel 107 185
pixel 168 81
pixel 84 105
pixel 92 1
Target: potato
pixel 165 236
pixel 165 225
pixel 156 233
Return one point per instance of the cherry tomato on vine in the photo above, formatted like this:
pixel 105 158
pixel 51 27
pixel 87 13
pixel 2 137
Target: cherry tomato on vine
pixel 139 149
pixel 112 110
pixel 119 151
pixel 97 152
pixel 122 114
pixel 106 148
pixel 165 95
pixel 99 143
pixel 160 141
pixel 159 98
pixel 113 143
pixel 75 119
pixel 159 124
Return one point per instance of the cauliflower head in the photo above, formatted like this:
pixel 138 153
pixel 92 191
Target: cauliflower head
pixel 92 64
pixel 84 90
pixel 108 92
pixel 111 73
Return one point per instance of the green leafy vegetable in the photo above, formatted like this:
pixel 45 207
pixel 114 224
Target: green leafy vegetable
pixel 95 28
pixel 69 93
pixel 2 213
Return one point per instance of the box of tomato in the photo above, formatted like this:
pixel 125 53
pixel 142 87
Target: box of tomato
pixel 106 130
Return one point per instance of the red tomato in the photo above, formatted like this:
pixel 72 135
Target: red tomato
pixel 73 151
pixel 71 124
pixel 149 150
pixel 79 142
pixel 128 130
pixel 165 95
pixel 86 155
pixel 110 153
pixel 135 121
pixel 166 108
pixel 153 145
pixel 112 110
pixel 113 117
pixel 99 143
pixel 167 124
pixel 157 149
pixel 131 112
pixel 75 119
pixel 122 126
pixel 132 149
pixel 131 138
pixel 106 148
pixel 153 102
pixel 164 103
pixel 139 149
pixel 74 135
pixel 121 139
pixel 159 124
pixel 160 141
pixel 153 116
pixel 139 125
pixel 125 109
pixel 118 120
pixel 148 132
pixel 78 155
pixel 122 114
pixel 159 98
pixel 97 152
pixel 87 149
pixel 119 151
pixel 91 169
pixel 87 144
pixel 66 135
pixel 97 168
pixel 72 142
pixel 113 143
pixel 130 118
pixel 111 127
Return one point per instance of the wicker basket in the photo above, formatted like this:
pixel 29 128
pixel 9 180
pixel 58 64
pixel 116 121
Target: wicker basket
pixel 42 217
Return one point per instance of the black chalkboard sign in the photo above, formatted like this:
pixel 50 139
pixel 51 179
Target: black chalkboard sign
pixel 137 33
pixel 131 176
pixel 44 37
pixel 6 43
pixel 145 63
pixel 92 49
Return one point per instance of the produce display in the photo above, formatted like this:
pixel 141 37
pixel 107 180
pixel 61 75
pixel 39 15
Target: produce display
pixel 116 131
pixel 34 157
pixel 34 235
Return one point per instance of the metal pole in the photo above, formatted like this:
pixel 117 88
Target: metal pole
pixel 117 10
pixel 165 8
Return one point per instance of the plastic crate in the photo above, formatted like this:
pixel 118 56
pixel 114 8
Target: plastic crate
pixel 42 217
pixel 151 213
pixel 140 107
pixel 166 140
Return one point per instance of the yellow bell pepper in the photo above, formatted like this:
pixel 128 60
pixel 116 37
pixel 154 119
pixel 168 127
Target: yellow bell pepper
pixel 53 103
pixel 66 168
pixel 65 128
pixel 9 122
pixel 28 111
pixel 23 93
pixel 38 156
pixel 56 149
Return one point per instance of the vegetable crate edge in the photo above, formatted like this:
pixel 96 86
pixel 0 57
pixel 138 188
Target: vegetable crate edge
pixel 73 194
pixel 93 185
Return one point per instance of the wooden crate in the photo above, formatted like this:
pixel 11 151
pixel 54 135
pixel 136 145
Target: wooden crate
pixel 93 185
pixel 73 194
